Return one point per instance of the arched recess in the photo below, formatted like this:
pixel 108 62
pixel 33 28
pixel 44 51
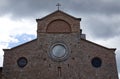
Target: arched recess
pixel 58 26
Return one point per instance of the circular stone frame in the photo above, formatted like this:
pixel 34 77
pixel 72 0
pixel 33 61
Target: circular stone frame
pixel 22 62
pixel 54 52
pixel 96 62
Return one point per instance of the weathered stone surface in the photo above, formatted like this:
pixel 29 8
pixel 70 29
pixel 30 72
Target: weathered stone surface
pixel 76 66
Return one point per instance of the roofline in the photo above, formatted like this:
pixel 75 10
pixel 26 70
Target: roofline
pixel 19 45
pixel 81 39
pixel 99 45
pixel 55 12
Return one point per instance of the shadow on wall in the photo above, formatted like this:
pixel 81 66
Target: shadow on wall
pixel 0 72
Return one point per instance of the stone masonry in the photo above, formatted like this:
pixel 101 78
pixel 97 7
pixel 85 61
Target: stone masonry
pixel 62 28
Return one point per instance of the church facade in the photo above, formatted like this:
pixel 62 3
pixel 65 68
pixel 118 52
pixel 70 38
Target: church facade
pixel 60 51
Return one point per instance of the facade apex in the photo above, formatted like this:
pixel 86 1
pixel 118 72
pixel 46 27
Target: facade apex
pixel 58 22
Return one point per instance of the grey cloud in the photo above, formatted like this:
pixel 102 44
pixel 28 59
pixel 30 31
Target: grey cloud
pixel 102 27
pixel 29 8
pixel 98 28
pixel 97 6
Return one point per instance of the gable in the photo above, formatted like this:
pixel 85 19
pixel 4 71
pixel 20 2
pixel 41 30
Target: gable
pixel 93 46
pixel 59 12
pixel 26 45
pixel 59 22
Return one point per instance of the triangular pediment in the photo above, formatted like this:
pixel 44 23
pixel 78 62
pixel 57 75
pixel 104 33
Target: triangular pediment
pixel 59 12
pixel 58 22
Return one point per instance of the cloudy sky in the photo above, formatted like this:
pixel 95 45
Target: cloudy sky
pixel 100 20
